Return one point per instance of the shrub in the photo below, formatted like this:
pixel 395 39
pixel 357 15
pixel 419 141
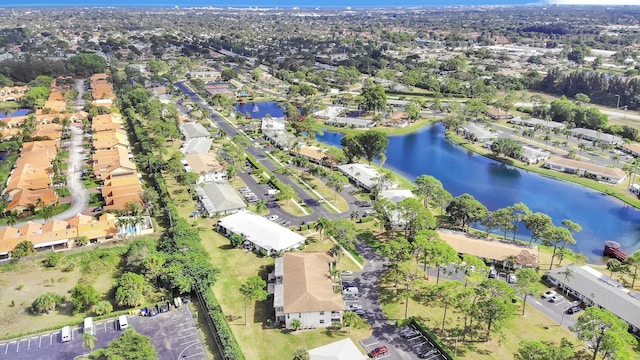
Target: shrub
pixel 46 302
pixel 83 297
pixel 52 260
pixel 102 308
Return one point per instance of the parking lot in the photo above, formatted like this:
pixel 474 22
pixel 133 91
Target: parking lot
pixel 174 335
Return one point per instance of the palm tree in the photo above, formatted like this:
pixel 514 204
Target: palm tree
pixel 261 206
pixel 12 220
pixel 336 252
pixel 354 216
pixel 320 226
pixel 88 340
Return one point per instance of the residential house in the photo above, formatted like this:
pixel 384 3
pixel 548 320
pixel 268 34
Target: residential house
pixel 110 139
pixel 343 349
pixel 196 146
pixel 365 176
pixel 106 122
pixel 192 130
pixel 495 113
pixel 23 198
pixel 219 198
pixel 596 289
pixel 475 132
pixel 632 149
pixel 119 190
pixel 533 122
pixel 51 131
pixel 276 124
pixel 53 106
pixel 588 170
pixel 350 122
pixel 596 136
pixel 304 291
pixel 504 254
pixel 259 233
pixel 314 154
pixel 206 166
pixel 533 155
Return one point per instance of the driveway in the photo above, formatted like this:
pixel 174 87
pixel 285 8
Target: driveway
pixel 74 175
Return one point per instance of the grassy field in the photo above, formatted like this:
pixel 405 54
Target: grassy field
pixel 533 325
pixel 336 200
pixel 257 341
pixel 21 283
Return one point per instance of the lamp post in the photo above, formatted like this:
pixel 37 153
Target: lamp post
pixel 618 103
pixel 455 350
pixel 625 112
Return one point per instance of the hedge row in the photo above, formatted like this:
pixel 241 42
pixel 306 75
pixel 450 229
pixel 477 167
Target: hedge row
pixel 230 348
pixel 179 235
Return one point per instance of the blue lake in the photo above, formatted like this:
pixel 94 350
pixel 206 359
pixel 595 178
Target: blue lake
pixel 258 110
pixel 497 185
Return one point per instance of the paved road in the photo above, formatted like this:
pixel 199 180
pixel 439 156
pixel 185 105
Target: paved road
pixel 74 175
pixel 305 196
pixel 385 331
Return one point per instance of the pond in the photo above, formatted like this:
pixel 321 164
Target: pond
pixel 258 110
pixel 497 185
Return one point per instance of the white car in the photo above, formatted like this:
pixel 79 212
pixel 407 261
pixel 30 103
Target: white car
pixel 347 272
pixel 549 294
pixel 555 298
pixel 273 217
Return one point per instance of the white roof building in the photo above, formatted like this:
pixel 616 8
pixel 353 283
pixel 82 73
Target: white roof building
pixel 273 124
pixel 396 195
pixel 364 176
pixel 263 234
pixel 196 146
pixel 343 349
pixel 219 198
pixel 193 130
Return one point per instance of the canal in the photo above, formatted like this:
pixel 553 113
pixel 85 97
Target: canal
pixel 497 185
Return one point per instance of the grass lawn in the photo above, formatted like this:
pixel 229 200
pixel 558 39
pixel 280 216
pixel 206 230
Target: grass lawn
pixel 336 200
pixel 389 131
pixel 22 283
pixel 256 342
pixel 290 207
pixel 8 105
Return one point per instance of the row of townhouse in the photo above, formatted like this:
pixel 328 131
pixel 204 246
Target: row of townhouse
pixel 12 93
pixel 57 234
pixel 102 90
pixel 31 180
pixel 113 162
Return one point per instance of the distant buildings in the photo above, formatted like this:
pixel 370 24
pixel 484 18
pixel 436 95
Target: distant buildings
pixel 366 176
pixel 588 170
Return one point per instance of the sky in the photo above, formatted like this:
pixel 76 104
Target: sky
pixel 301 3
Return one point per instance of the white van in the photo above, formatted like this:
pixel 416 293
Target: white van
pixel 122 322
pixel 88 326
pixel 65 334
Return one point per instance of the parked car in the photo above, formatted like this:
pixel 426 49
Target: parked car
pixel 428 353
pixel 410 333
pixel 548 294
pixel 359 312
pixel 153 311
pixel 347 272
pixel 97 208
pixel 352 290
pixel 512 278
pixel 348 284
pixel 354 307
pixel 164 308
pixel 273 217
pixel 555 298
pixel 350 296
pixel 574 309
pixel 379 351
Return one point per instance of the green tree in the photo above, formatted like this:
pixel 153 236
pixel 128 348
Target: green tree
pixel 465 210
pixel 253 290
pixel 88 340
pixel 343 230
pixel 301 354
pixel 52 260
pixel 415 217
pixel 131 290
pixel 23 249
pixel 538 350
pixel 634 261
pixel 102 307
pixel 46 302
pixel 228 74
pixel 81 241
pixel 426 188
pixel 373 98
pixel 86 64
pixel 83 297
pixel 353 320
pixel 321 226
pixel 131 346
pixel 35 97
pixel 373 144
pixel 525 283
pixel 537 223
pixel 296 324
pixel 411 279
pixel 605 331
